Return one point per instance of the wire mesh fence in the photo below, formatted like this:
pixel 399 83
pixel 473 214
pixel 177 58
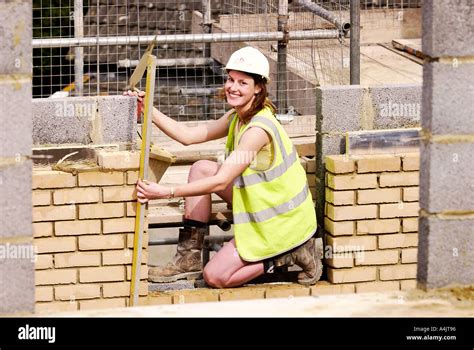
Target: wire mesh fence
pixel 189 74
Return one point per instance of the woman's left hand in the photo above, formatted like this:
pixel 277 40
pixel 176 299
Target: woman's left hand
pixel 151 190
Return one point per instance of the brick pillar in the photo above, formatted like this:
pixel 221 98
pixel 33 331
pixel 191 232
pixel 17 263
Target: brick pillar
pixel 16 249
pixel 447 155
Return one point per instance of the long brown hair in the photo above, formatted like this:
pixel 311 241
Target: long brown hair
pixel 260 101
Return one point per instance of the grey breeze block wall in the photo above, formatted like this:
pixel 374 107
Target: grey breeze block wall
pixel 340 109
pixel 17 285
pixel 446 233
pixel 84 120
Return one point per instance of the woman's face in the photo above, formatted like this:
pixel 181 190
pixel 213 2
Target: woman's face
pixel 240 89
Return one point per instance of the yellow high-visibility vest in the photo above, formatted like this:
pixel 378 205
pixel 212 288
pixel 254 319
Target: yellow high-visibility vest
pixel 273 209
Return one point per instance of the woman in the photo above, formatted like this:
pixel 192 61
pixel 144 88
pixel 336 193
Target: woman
pixel 274 218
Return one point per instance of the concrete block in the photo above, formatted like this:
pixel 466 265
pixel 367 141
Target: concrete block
pixel 15 31
pixel 15 200
pixel 447 177
pixel 396 106
pixel 15 116
pixel 63 120
pixel 445 252
pixel 339 109
pixel 17 278
pixel 118 118
pixel 447 28
pixel 448 98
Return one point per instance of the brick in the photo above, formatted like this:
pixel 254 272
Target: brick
pixel 52 179
pixel 117 257
pixel 351 212
pixel 326 288
pixel 119 194
pixel 351 244
pixel 356 274
pixel 378 226
pixel 409 256
pixel 77 291
pixel 385 257
pixel 77 259
pixel 403 240
pixel 98 242
pixel 41 198
pixel 340 197
pixel 44 261
pixel 76 195
pixel 48 277
pixel 399 210
pixel 383 195
pixel 56 244
pixel 102 304
pixel 119 225
pixel 122 289
pixel 102 210
pixel 131 208
pixel 303 163
pixel 411 162
pixel 310 164
pixel 408 284
pixel 311 178
pixel 143 272
pixel 340 260
pixel 378 163
pixel 131 239
pixel 156 300
pixel 377 287
pixel 410 225
pixel 340 164
pixel 102 274
pixel 100 179
pixel 242 294
pixel 287 292
pixel 446 168
pixel 351 182
pixel 43 294
pixel 132 177
pixel 398 272
pixel 118 160
pixel 54 213
pixel 411 194
pixel 411 178
pixel 42 229
pixel 339 228
pixel 55 307
pixel 77 227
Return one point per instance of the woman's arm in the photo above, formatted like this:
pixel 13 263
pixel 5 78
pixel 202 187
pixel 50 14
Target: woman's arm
pixel 188 135
pixel 250 143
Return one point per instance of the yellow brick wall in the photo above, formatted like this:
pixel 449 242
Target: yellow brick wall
pixel 371 221
pixel 84 237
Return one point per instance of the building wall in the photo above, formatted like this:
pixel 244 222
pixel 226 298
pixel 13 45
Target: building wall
pixel 83 232
pixel 371 221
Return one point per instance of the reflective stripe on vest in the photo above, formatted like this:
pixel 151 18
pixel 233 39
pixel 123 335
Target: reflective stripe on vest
pixel 269 175
pixel 266 214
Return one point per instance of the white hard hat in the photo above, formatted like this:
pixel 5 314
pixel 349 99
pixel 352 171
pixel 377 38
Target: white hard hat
pixel 249 60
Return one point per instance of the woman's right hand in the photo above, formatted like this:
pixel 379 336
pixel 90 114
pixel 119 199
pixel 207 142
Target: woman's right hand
pixel 140 97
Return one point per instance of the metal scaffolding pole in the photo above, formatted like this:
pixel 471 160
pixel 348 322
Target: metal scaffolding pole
pixel 186 38
pixel 206 29
pixel 282 81
pixel 355 43
pixel 78 51
pixel 325 14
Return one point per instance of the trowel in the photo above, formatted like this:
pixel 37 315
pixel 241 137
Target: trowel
pixel 141 67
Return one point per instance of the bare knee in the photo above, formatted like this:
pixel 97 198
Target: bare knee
pixel 202 169
pixel 212 278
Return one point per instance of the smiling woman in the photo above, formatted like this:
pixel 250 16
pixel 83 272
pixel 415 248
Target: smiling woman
pixel 261 178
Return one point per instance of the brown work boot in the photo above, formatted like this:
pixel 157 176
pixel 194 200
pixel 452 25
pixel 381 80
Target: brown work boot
pixel 308 256
pixel 186 263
